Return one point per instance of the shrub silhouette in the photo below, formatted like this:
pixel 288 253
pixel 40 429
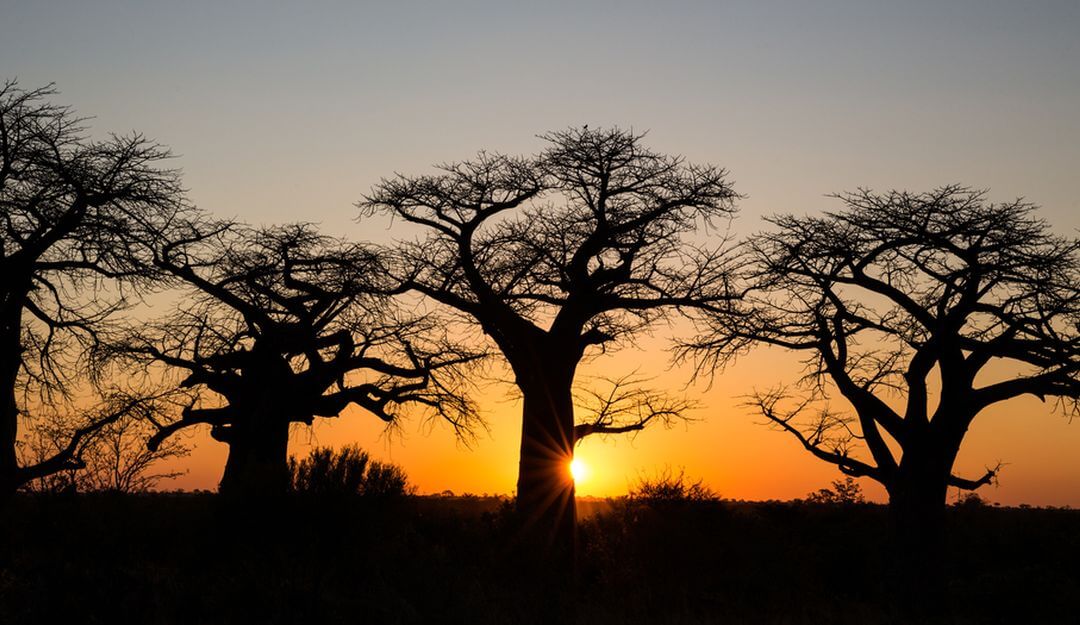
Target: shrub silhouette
pixel 349 471
pixel 845 492
pixel 668 487
pixel 970 501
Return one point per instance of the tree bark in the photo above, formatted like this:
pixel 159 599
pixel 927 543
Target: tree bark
pixel 545 487
pixel 10 362
pixel 258 461
pixel 917 506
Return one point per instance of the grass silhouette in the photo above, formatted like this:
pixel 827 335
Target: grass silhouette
pixel 180 558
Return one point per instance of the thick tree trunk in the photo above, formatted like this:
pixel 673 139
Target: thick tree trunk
pixel 10 362
pixel 545 488
pixel 9 426
pixel 258 462
pixel 917 506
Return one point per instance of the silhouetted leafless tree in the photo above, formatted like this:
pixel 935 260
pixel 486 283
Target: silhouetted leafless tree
pixel 902 302
pixel 556 256
pixel 75 217
pixel 282 325
pixel 114 456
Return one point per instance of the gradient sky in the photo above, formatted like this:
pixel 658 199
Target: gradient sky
pixel 293 111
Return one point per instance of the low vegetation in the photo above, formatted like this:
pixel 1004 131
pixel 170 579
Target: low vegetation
pixel 162 558
pixel 845 492
pixel 348 471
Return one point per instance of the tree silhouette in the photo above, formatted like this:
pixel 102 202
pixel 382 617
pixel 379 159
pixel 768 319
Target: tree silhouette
pixel 921 311
pixel 75 217
pixel 556 256
pixel 845 492
pixel 113 457
pixel 282 325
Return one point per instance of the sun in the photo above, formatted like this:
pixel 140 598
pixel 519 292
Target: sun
pixel 578 470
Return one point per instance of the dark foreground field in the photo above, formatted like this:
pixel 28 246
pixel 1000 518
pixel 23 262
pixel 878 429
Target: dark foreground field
pixel 192 559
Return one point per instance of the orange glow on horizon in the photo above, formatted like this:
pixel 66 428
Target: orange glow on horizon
pixel 724 445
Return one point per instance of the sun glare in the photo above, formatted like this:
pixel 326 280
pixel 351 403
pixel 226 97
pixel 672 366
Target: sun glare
pixel 578 470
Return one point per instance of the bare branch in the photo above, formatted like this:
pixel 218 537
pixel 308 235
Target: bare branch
pixel 895 295
pixel 625 405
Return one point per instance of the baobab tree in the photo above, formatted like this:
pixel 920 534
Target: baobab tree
pixel 281 325
pixel 76 216
pixel 568 253
pixel 921 310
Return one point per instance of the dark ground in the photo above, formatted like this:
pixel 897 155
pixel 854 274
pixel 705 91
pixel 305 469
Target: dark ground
pixel 193 559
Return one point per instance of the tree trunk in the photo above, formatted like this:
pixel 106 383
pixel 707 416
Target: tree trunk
pixel 258 462
pixel 10 362
pixel 917 505
pixel 545 488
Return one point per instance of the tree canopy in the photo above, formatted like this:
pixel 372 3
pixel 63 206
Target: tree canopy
pixel 77 216
pixel 920 310
pixel 559 256
pixel 284 324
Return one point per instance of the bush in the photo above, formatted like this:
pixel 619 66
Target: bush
pixel 845 492
pixel 349 471
pixel 668 487
pixel 970 501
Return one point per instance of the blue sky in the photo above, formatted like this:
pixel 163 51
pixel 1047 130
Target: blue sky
pixel 286 110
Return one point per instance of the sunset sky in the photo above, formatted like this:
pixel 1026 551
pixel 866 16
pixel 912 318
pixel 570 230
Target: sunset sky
pixel 292 111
